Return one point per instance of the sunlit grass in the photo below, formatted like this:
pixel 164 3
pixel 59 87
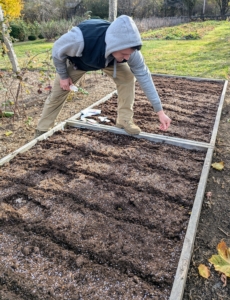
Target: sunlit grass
pixel 36 52
pixel 184 31
pixel 206 57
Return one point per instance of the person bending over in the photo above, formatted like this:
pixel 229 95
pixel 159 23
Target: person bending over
pixel 112 47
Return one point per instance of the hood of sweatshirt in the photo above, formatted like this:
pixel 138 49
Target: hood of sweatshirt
pixel 121 34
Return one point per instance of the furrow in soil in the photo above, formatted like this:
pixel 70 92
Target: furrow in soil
pixel 192 106
pixel 92 215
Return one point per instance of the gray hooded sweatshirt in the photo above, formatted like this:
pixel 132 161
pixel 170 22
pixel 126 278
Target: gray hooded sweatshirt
pixel 120 35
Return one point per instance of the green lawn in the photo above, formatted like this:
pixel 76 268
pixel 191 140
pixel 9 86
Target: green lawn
pixel 206 57
pixel 38 53
pixel 168 52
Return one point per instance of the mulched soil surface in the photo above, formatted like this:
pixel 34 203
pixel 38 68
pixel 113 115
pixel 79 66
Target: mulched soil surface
pixel 39 257
pixel 192 106
pixel 214 224
pixel 94 215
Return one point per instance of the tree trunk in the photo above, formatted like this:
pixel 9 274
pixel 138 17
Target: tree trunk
pixel 224 9
pixel 6 39
pixel 112 10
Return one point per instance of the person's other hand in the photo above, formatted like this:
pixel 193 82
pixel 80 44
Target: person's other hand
pixel 65 84
pixel 164 120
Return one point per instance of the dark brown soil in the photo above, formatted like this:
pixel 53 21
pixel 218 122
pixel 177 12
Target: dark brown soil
pixel 214 224
pixel 192 106
pixel 56 243
pixel 95 216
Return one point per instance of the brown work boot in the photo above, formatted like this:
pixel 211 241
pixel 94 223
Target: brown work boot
pixel 128 126
pixel 37 133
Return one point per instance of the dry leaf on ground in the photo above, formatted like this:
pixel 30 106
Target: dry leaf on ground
pixel 209 195
pixel 204 271
pixel 218 166
pixel 223 278
pixel 221 261
pixel 8 133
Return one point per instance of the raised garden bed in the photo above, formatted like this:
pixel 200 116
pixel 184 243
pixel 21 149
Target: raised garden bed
pixel 191 104
pixel 95 215
pixel 92 215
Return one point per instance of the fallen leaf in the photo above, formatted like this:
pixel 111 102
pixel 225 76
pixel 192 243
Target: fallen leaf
pixel 223 278
pixel 209 204
pixel 218 166
pixel 221 261
pixel 209 195
pixel 7 114
pixel 8 133
pixel 48 88
pixel 204 271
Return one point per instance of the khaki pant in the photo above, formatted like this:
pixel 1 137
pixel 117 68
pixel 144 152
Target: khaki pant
pixel 125 82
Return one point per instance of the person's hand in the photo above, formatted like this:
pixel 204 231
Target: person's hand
pixel 65 84
pixel 164 120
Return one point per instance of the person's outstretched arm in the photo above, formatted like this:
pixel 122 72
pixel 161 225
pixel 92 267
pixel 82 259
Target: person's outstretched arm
pixel 144 77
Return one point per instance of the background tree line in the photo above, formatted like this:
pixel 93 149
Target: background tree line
pixel 51 18
pixel 45 10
